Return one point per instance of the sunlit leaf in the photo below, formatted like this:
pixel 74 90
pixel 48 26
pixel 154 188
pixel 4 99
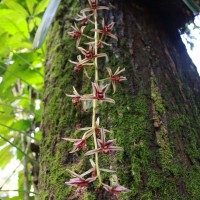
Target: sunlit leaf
pixel 5 156
pixel 5 120
pixel 13 26
pixel 38 135
pixel 30 4
pixel 20 70
pixel 20 180
pixel 41 6
pixel 22 125
pixel 17 7
pixel 3 142
pixel 4 42
pixel 33 23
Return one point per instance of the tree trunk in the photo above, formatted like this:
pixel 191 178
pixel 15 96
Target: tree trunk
pixel 156 118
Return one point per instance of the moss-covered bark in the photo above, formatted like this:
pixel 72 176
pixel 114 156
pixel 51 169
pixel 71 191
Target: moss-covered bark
pixel 156 117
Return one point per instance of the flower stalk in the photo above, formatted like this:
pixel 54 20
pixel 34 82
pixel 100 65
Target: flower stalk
pixel 95 101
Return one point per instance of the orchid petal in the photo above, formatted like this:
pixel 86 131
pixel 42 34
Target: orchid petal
pixel 92 152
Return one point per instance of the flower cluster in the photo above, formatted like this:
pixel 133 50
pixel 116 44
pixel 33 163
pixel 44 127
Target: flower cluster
pixel 95 133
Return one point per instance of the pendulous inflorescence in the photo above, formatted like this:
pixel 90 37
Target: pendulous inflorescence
pixel 88 58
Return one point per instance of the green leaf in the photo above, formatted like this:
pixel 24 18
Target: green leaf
pixel 11 42
pixel 14 198
pixel 3 142
pixel 3 68
pixel 21 180
pixel 20 70
pixel 41 7
pixel 30 4
pixel 19 25
pixel 5 120
pixel 38 135
pixel 17 7
pixel 18 148
pixel 5 156
pixel 22 125
pixel 34 23
pixel 4 41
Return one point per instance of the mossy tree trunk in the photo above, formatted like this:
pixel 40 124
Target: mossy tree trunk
pixel 156 118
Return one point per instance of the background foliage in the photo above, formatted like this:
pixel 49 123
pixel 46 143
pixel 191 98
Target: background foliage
pixel 21 83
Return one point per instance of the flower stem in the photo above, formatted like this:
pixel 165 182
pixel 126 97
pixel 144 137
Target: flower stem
pixel 95 102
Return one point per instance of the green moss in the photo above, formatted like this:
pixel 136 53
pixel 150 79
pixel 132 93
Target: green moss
pixel 55 170
pixel 193 182
pixel 156 97
pixel 159 113
pixel 58 112
pixel 89 196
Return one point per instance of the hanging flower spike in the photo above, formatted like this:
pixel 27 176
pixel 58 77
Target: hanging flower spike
pixel 76 97
pixel 93 6
pixel 89 58
pixel 106 29
pixel 116 190
pixel 77 33
pixel 79 181
pixel 89 54
pixel 115 77
pixel 84 19
pixel 105 147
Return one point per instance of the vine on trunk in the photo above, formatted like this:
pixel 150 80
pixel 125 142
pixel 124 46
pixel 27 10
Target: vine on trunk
pixel 101 145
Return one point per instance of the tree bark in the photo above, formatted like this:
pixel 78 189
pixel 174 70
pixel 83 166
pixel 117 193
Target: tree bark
pixel 156 118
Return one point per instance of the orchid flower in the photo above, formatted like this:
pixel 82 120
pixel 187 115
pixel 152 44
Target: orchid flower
pixel 93 6
pixel 79 181
pixel 84 18
pixel 79 143
pixel 104 147
pixel 116 190
pixel 106 30
pixel 115 77
pixel 98 93
pixel 77 33
pixel 79 66
pixel 89 54
pixel 76 97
